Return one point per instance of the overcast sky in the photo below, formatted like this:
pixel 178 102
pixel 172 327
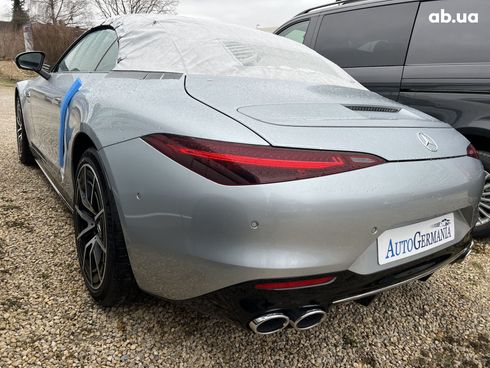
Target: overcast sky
pixel 248 12
pixel 267 13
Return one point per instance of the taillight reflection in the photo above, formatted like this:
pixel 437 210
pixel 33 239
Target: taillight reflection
pixel 472 152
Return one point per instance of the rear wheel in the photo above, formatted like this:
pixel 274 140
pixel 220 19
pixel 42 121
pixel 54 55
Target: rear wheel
pixel 101 249
pixel 23 149
pixel 482 228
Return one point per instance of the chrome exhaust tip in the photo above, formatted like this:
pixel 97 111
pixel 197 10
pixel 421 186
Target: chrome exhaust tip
pixel 269 323
pixel 308 319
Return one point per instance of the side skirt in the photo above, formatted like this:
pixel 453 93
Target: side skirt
pixel 39 161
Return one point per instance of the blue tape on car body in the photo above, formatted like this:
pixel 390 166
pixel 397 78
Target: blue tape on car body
pixel 63 112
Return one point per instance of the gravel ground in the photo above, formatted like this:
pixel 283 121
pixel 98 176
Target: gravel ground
pixel 48 320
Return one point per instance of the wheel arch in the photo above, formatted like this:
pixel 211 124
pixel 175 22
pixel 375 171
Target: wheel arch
pixel 19 95
pixel 81 143
pixel 20 88
pixel 17 98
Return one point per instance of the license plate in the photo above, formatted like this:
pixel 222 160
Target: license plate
pixel 406 241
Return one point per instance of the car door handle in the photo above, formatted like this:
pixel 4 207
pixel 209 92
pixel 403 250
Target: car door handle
pixel 28 94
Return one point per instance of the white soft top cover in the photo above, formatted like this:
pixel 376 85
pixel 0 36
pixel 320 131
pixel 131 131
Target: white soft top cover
pixel 199 46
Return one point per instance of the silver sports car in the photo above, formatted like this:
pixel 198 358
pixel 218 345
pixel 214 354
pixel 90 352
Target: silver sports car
pixel 241 172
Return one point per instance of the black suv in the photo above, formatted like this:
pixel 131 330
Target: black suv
pixel 433 55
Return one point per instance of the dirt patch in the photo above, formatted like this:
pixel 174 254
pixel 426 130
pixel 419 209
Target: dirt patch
pixel 18 224
pixel 481 344
pixel 11 304
pixel 3 245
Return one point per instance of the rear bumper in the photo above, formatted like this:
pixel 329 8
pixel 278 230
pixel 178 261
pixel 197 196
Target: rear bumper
pixel 243 303
pixel 187 236
pixel 426 269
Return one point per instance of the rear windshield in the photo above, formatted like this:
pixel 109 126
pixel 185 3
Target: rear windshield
pixel 196 46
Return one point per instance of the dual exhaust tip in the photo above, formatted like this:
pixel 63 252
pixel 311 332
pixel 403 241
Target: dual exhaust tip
pixel 299 320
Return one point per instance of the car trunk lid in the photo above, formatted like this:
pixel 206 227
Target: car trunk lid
pixel 292 114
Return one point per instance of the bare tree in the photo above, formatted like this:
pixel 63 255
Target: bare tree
pixel 109 8
pixel 60 12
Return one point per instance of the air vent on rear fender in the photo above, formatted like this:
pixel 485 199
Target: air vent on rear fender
pixel 373 108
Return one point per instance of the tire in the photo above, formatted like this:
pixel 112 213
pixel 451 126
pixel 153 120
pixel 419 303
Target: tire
pixel 482 228
pixel 101 249
pixel 23 149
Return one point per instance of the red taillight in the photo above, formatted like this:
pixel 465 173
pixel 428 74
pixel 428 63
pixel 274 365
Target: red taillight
pixel 296 284
pixel 243 164
pixel 472 152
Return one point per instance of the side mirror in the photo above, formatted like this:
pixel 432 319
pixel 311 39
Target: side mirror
pixel 33 61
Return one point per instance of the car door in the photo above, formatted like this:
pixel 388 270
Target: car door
pixel 369 43
pixel 447 75
pixel 81 61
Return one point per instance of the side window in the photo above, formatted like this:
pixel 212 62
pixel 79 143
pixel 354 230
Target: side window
pixel 85 56
pixel 377 36
pixel 458 33
pixel 296 32
pixel 109 60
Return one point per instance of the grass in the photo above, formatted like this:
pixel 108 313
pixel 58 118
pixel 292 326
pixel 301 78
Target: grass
pixel 10 74
pixel 4 82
